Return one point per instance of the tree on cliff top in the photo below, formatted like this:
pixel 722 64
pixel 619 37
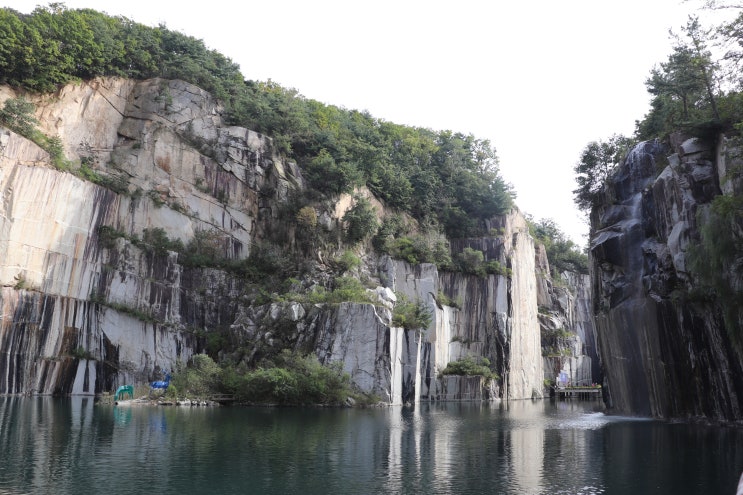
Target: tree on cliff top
pixel 597 160
pixel 444 179
pixel 562 253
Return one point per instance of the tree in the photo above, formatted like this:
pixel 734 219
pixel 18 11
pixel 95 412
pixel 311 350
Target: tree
pixel 597 160
pixel 18 115
pixel 360 220
pixel 11 44
pixel 687 79
pixel 562 253
pixel 729 36
pixel 677 78
pixel 702 59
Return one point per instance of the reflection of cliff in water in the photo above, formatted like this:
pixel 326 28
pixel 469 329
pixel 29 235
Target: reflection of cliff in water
pixel 540 447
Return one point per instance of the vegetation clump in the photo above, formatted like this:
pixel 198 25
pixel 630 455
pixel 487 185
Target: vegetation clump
pixel 444 178
pixel 469 366
pixel 563 254
pixel 717 263
pixel 289 378
pixel 411 315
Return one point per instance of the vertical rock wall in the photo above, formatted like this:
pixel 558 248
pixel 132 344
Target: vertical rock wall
pixel 496 317
pixel 81 313
pixel 664 351
pixel 90 302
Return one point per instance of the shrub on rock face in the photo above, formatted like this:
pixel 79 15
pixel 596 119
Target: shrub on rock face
pixel 201 378
pixel 468 366
pixel 291 379
pixel 18 115
pixel 361 221
pixel 410 315
pixel 307 217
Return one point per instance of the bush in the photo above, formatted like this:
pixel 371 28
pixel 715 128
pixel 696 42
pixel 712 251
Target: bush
pixel 292 379
pixel 346 289
pixel 421 248
pixel 201 378
pixel 409 315
pixel 18 116
pixel 471 261
pixel 360 220
pixel 347 261
pixel 468 366
pixel 205 249
pixel 307 217
pixel 269 385
pixel 157 241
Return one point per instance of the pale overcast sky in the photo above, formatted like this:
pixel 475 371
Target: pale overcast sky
pixel 539 79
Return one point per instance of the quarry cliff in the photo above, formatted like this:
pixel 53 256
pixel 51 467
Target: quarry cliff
pixel 159 237
pixel 663 282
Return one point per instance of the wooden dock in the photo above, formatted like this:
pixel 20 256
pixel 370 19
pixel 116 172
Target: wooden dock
pixel 582 393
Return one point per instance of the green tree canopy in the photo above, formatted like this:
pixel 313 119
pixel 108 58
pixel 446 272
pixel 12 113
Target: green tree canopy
pixel 444 179
pixel 597 160
pixel 562 253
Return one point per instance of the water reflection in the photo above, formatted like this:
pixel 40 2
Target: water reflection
pixel 71 446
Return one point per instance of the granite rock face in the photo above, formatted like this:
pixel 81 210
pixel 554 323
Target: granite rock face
pixel 93 298
pixel 665 352
pixel 495 316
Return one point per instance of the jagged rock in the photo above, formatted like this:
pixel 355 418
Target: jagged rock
pixel 664 353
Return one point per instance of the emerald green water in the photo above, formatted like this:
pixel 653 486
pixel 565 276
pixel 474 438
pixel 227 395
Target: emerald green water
pixel 71 446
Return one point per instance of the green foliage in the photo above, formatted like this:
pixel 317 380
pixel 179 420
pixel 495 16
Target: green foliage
pixel 597 161
pixel 265 263
pixel 54 45
pixel 205 249
pixel 445 300
pixel 307 218
pixel 345 289
pixel 201 378
pixel 331 177
pixel 472 261
pixel 411 315
pixel 687 88
pixel 141 315
pixel 18 116
pixel 107 236
pixel 290 379
pixel 157 241
pixel 562 253
pixel 429 247
pixel 81 353
pixel 360 220
pixel 446 178
pixel 716 261
pixel 156 198
pixel 468 366
pixel 20 283
pixel 347 261
pixel 391 227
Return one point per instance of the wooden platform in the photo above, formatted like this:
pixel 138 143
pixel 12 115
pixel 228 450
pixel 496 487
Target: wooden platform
pixel 583 393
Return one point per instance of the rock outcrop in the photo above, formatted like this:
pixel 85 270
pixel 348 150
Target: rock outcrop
pixel 567 329
pixel 665 347
pixel 96 291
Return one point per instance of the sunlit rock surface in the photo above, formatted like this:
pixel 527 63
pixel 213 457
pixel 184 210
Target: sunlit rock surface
pixel 496 315
pixel 86 309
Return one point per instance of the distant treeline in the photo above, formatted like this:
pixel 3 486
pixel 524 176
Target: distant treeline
pixel 446 180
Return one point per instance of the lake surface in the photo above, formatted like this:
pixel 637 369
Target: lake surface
pixel 71 446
